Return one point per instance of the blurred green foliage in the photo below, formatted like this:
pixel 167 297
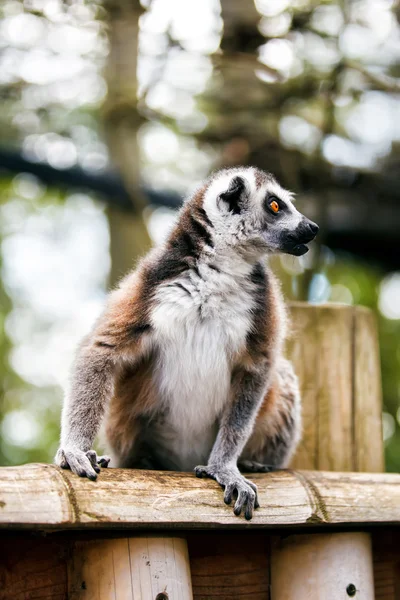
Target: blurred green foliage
pixel 304 88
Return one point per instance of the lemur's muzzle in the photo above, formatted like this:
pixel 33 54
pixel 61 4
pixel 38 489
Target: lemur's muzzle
pixel 295 241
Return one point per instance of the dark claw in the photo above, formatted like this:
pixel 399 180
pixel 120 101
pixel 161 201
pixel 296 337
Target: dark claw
pixel 201 472
pixel 228 494
pixel 248 515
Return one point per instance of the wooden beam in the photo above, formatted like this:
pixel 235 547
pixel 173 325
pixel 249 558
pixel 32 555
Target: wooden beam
pixel 45 497
pixel 336 355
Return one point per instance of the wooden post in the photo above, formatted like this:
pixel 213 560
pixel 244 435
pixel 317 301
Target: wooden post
pixel 322 566
pixel 335 353
pixel 336 356
pixel 137 568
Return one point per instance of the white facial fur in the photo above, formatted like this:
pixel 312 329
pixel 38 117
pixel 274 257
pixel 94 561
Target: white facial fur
pixel 256 225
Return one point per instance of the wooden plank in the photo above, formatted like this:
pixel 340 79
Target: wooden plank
pixel 160 568
pixel 333 566
pixel 334 377
pixel 32 567
pixel 136 568
pixel 321 349
pixel 386 554
pixel 228 565
pixel 335 353
pixel 38 492
pixel 302 348
pixel 347 435
pixel 368 441
pixel 100 569
pixel 134 498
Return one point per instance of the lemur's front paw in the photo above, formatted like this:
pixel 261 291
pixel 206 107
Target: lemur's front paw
pixel 85 464
pixel 235 485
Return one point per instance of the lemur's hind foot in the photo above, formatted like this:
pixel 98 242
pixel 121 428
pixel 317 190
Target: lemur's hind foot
pixel 252 466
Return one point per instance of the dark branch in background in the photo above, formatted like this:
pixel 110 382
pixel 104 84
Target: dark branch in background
pixel 354 225
pixel 107 184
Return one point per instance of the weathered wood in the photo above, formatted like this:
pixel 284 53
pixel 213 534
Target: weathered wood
pixel 335 352
pixel 336 356
pixel 303 351
pixel 160 568
pixel 32 567
pixel 386 555
pixel 322 566
pixel 368 442
pixel 228 565
pixel 45 497
pixel 224 564
pixel 99 569
pixel 136 568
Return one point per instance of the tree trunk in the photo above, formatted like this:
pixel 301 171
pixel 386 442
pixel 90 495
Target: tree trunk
pixel 129 235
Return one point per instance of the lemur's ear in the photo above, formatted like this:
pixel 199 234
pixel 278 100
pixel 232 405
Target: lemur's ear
pixel 234 195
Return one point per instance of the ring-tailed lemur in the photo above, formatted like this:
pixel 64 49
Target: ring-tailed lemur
pixel 188 352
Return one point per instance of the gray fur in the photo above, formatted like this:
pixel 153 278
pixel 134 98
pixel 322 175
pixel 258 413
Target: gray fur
pixel 205 319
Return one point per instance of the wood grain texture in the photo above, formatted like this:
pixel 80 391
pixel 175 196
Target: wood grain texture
pixel 368 442
pixel 334 349
pixel 160 567
pixel 322 566
pixel 337 360
pixel 386 554
pixel 134 498
pixel 303 351
pixel 136 568
pixel 32 568
pixel 228 565
pixel 334 381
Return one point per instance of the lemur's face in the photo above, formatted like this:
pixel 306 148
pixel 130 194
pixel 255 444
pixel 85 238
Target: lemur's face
pixel 253 210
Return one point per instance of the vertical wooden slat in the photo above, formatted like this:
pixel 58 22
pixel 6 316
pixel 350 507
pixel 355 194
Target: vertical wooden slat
pixel 334 376
pixel 160 568
pixel 335 353
pixel 303 351
pixel 343 430
pixel 139 568
pixel 322 566
pixel 228 565
pixel 100 569
pixel 369 451
pixel 386 552
pixel 33 567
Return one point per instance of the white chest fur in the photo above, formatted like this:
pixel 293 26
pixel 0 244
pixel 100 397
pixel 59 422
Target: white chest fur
pixel 199 328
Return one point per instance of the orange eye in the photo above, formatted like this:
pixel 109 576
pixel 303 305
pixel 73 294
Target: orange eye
pixel 274 206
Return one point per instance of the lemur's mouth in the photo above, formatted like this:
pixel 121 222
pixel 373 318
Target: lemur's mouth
pixel 297 247
pixel 297 244
pixel 298 250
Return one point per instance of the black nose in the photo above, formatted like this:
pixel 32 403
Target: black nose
pixel 313 227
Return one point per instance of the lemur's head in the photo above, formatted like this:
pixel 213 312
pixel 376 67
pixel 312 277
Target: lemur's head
pixel 251 210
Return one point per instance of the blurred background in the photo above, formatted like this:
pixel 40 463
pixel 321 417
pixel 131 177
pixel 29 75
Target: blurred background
pixel 112 111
